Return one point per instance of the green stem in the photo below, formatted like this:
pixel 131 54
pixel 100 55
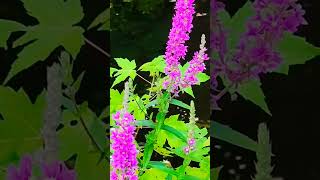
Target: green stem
pixel 182 170
pixel 152 137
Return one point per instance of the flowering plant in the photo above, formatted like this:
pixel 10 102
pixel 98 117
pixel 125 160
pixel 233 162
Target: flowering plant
pixel 257 40
pixel 167 135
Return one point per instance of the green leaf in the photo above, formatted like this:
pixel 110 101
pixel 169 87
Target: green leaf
pixel 180 103
pixel 184 68
pixel 153 173
pixel 175 132
pixel 70 11
pixel 116 99
pixel 136 106
pixel 127 70
pixel 69 104
pixel 75 140
pixel 20 131
pixel 189 91
pixel 202 77
pixel 162 166
pixel 148 148
pixel 152 103
pixel 231 136
pixel 77 83
pixel 104 19
pixel 145 123
pixel 252 91
pixel 98 132
pixel 214 173
pixel 295 50
pixel 237 25
pixel 6 28
pixel 170 135
pixel 105 113
pixel 54 29
pixel 198 173
pixel 112 71
pixel 155 66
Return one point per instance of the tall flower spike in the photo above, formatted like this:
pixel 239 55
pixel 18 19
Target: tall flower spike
pixel 196 65
pixel 176 48
pixel 191 140
pixel 124 158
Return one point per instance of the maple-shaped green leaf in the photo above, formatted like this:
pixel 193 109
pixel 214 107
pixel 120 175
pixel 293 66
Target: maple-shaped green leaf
pixel 75 140
pixel 252 91
pixel 155 66
pixel 295 50
pixel 127 70
pixel 6 28
pixel 20 129
pixel 56 28
pixel 104 19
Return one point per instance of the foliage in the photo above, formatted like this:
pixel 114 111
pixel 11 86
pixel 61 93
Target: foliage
pixel 87 139
pixel 164 127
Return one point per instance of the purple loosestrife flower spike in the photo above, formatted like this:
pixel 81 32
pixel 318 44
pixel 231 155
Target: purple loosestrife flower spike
pixel 176 48
pixel 196 65
pixel 256 53
pixel 22 173
pixel 124 158
pixel 191 140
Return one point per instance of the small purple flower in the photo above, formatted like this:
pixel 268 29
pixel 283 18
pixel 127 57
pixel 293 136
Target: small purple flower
pixel 24 172
pixel 58 171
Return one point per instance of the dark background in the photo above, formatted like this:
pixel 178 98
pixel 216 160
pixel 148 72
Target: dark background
pixel 294 125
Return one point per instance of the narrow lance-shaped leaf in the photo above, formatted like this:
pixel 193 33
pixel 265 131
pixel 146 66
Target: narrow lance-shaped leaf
pixel 231 136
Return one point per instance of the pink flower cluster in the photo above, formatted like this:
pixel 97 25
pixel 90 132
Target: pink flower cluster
pixel 176 48
pixel 191 145
pixel 196 65
pixel 124 158
pixel 56 170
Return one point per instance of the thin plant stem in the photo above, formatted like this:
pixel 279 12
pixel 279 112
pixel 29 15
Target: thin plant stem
pixel 144 79
pixel 97 47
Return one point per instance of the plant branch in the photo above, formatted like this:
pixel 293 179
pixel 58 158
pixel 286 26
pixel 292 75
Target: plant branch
pixel 143 78
pixel 97 47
